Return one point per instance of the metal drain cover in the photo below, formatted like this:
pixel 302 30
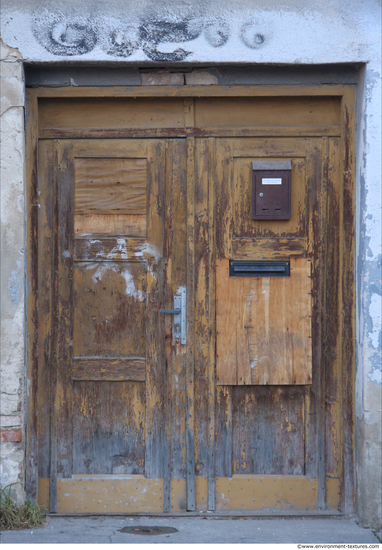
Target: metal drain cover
pixel 148 530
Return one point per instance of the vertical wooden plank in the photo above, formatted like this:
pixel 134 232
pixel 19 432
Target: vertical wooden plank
pixel 227 314
pixel 242 345
pixel 45 236
pixel 348 298
pixel 224 197
pixel 201 306
pixel 155 357
pixel 322 233
pixel 31 481
pixel 190 361
pixel 334 428
pixel 300 320
pixel 177 173
pixel 54 369
pixel 168 321
pixel 315 201
pixel 223 431
pixel 211 324
pixel 64 304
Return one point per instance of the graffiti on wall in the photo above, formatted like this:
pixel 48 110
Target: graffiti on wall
pixel 69 36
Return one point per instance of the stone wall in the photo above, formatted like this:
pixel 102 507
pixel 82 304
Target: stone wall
pixel 12 381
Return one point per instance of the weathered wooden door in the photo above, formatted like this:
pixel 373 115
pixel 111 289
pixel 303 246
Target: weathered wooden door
pixel 255 411
pixel 120 255
pixel 267 345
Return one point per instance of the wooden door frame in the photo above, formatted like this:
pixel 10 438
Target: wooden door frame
pixel 346 310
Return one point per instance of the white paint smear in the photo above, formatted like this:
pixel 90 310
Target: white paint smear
pixel 119 250
pixel 100 270
pixel 149 249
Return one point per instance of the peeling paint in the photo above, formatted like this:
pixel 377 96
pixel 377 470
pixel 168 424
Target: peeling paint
pixel 375 308
pixel 149 249
pixel 101 269
pixel 15 283
pixel 119 250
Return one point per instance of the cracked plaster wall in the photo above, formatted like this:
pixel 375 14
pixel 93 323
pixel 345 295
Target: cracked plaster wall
pixel 12 204
pixel 209 32
pixel 368 291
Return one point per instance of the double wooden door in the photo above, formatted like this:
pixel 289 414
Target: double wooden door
pixel 246 413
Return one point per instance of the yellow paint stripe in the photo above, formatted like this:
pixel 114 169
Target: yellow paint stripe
pixel 109 495
pixel 266 492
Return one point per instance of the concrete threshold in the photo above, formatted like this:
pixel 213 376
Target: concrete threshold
pixel 269 514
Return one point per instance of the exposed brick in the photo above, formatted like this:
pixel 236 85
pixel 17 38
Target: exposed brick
pixel 10 435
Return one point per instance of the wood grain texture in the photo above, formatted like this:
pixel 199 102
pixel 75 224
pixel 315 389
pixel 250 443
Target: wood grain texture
pixel 110 185
pixel 63 322
pixel 263 327
pixel 347 310
pixel 268 249
pixel 316 237
pixel 177 164
pixel 133 225
pixel 110 148
pixel 228 297
pixel 32 320
pixel 227 132
pixel 155 357
pixel 175 253
pixel 265 111
pixel 212 325
pixel 224 198
pixel 109 368
pixel 333 296
pixel 45 268
pixel 189 113
pixel 168 328
pixel 321 236
pixel 223 431
pixel 193 91
pixel 108 427
pixel 268 430
pixel 115 113
pixel 190 360
pixel 201 326
pixel 110 309
pixel 109 248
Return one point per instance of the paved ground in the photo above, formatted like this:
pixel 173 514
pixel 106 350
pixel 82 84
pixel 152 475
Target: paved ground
pixel 194 530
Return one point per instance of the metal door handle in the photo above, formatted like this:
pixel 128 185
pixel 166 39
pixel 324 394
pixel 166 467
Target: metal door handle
pixel 180 318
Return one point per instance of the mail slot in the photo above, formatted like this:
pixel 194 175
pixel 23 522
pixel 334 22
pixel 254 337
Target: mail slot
pixel 259 269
